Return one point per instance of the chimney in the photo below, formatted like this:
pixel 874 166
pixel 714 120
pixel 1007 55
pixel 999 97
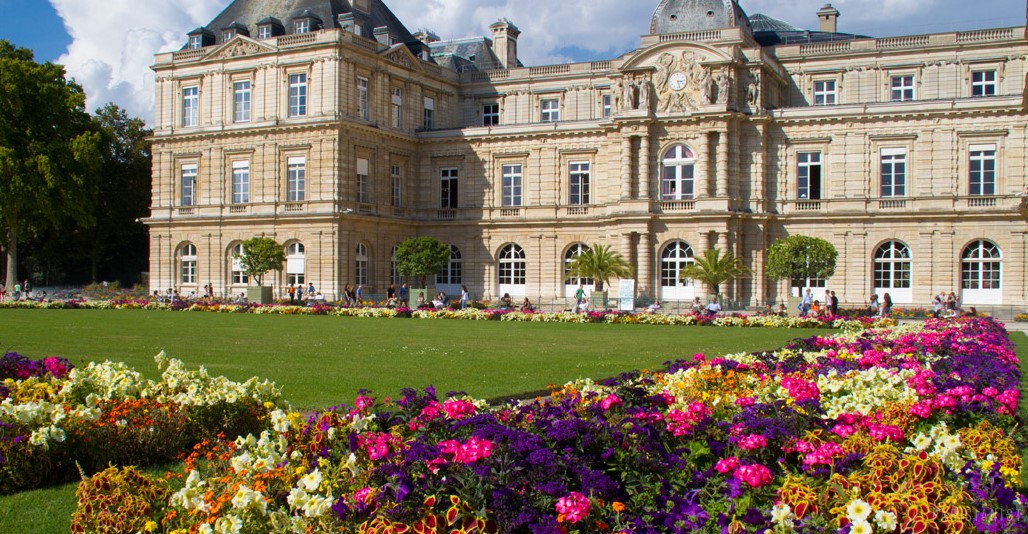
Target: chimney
pixel 829 17
pixel 426 36
pixel 505 42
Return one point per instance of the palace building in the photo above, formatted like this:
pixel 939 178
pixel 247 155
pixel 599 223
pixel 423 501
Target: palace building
pixel 328 126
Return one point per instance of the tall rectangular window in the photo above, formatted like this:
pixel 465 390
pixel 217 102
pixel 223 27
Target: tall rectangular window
pixel 550 109
pixel 297 95
pixel 983 83
pixel 429 116
pixel 982 164
pixel 808 176
pixel 296 180
pixel 242 100
pixel 397 175
pixel 190 106
pixel 511 185
pixel 894 172
pixel 606 106
pixel 362 99
pixel 490 114
pixel 902 88
pixel 448 188
pixel 363 182
pixel 824 93
pixel 188 188
pixel 579 181
pixel 397 107
pixel 240 182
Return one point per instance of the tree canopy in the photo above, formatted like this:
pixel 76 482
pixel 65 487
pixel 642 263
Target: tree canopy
pixel 801 257
pixel 601 263
pixel 421 257
pixel 714 269
pixel 48 151
pixel 260 255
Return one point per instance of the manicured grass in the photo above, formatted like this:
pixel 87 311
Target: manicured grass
pixel 320 361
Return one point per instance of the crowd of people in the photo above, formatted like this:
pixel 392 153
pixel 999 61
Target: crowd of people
pixel 21 291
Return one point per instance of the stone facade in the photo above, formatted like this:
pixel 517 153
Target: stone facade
pixel 908 154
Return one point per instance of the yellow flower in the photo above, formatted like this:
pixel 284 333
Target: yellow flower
pixel 150 526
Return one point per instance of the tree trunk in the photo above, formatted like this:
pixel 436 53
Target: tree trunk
pixel 12 259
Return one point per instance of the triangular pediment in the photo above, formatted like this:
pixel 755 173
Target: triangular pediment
pixel 240 46
pixel 401 55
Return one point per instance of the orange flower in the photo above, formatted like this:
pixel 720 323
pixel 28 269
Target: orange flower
pixel 618 506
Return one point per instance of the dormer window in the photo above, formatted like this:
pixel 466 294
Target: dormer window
pixel 196 41
pixel 302 26
pixel 306 22
pixel 269 27
pixel 227 35
pixel 264 32
pixel 200 38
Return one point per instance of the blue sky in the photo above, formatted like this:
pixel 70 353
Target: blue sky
pixel 108 45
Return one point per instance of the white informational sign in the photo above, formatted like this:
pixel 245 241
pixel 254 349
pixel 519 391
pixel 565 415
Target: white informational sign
pixel 626 295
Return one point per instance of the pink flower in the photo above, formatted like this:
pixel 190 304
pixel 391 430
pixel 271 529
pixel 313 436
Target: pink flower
pixel 753 442
pixel 472 450
pixel 801 390
pixel 362 495
pixel 364 402
pixel 885 432
pixel 922 409
pixel 755 475
pixel 844 431
pixel 376 444
pixel 744 402
pixel 458 409
pixel 609 401
pixel 574 507
pixel 727 465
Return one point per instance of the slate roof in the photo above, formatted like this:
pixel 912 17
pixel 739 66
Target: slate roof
pixel 463 55
pixel 769 31
pixel 673 16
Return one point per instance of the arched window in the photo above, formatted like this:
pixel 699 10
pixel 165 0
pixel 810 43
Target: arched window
pixel 892 269
pixel 238 275
pixel 187 263
pixel 362 264
pixel 677 172
pixel 981 270
pixel 571 284
pixel 674 258
pixel 511 269
pixel 450 275
pixel 296 263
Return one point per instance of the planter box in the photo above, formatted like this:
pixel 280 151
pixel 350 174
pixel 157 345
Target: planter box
pixel 259 295
pixel 598 300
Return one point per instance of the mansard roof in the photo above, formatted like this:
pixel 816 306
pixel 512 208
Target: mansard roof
pixel 769 31
pixel 250 13
pixel 674 16
pixel 463 55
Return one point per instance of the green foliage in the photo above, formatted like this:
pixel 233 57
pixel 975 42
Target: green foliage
pixel 600 263
pixel 260 255
pixel 420 257
pixel 48 151
pixel 800 257
pixel 714 269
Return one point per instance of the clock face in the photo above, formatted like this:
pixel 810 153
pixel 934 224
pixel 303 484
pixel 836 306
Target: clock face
pixel 676 81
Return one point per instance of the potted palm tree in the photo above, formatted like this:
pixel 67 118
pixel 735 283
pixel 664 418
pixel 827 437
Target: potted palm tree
pixel 713 269
pixel 600 263
pixel 260 255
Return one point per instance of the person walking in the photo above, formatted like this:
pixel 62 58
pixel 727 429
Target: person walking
pixel 806 303
pixel 579 295
pixel 463 297
pixel 292 293
pixel 833 306
pixel 404 295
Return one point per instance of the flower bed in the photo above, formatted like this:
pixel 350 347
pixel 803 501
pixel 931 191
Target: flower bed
pixel 56 421
pixel 475 314
pixel 909 429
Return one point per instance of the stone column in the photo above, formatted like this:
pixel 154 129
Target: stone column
pixel 722 164
pixel 626 167
pixel 644 166
pixel 758 178
pixel 704 244
pixel 702 167
pixel 645 264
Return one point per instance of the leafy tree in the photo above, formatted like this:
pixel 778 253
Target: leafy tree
pixel 260 255
pixel 801 257
pixel 421 257
pixel 601 264
pixel 714 269
pixel 47 150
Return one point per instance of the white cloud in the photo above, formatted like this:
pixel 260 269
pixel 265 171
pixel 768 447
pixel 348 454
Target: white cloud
pixel 114 41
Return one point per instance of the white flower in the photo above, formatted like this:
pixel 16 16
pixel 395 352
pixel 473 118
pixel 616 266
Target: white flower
pixel 885 520
pixel 317 506
pixel 312 481
pixel 861 527
pixel 229 524
pixel 280 421
pixel 857 510
pixel 781 514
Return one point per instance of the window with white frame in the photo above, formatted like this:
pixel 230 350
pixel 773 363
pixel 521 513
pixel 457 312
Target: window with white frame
pixel 571 283
pixel 242 100
pixel 448 188
pixel 363 110
pixel 674 259
pixel 606 106
pixel 550 109
pixel 188 186
pixel 824 93
pixel 512 270
pixel 983 83
pixel 578 180
pixel 981 266
pixel 302 26
pixel 677 173
pixel 195 41
pixel 238 274
pixel 240 182
pixel 190 106
pixel 397 107
pixel 296 263
pixel 264 31
pixel 902 88
pixel 187 264
pixel 428 121
pixel 982 167
pixel 808 175
pixel 296 179
pixel 451 273
pixel 227 35
pixel 490 114
pixel 894 172
pixel 397 174
pixel 892 267
pixel 363 181
pixel 298 95
pixel 362 260
pixel 511 185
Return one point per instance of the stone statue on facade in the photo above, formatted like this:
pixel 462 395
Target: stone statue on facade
pixel 706 88
pixel 617 92
pixel 644 94
pixel 723 86
pixel 753 90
